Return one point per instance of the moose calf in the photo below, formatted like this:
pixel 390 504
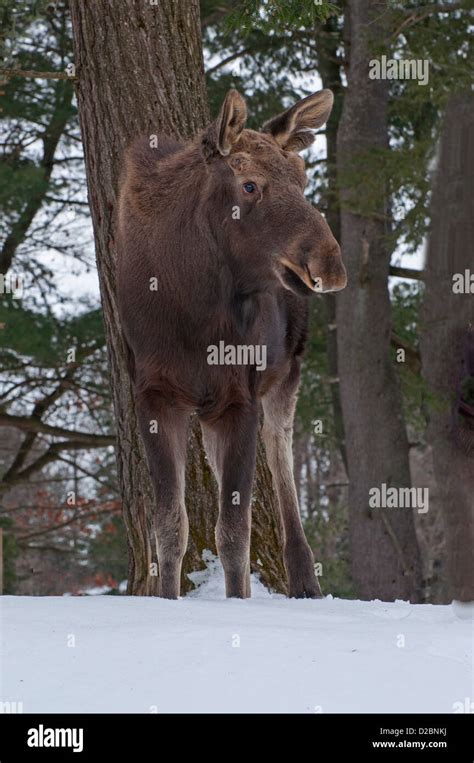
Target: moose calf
pixel 217 244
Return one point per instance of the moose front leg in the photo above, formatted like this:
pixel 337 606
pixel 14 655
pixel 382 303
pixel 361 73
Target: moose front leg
pixel 279 409
pixel 164 433
pixel 231 447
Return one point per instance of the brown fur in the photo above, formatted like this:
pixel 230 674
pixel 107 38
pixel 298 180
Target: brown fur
pixel 244 281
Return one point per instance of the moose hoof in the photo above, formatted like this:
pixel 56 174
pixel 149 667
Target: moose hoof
pixel 304 587
pixel 302 581
pixel 237 586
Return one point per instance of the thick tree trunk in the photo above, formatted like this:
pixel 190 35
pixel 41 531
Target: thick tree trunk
pixel 384 551
pixel 139 71
pixel 447 342
pixel 330 71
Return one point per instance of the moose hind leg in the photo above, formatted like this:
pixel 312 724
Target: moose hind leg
pixel 164 433
pixel 231 445
pixel 279 408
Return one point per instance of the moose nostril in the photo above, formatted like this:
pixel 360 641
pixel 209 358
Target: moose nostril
pixel 311 277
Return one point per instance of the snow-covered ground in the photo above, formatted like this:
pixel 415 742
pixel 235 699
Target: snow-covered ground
pixel 207 654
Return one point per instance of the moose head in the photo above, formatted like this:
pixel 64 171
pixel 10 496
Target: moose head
pixel 262 175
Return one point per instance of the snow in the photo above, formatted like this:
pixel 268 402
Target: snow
pixel 203 653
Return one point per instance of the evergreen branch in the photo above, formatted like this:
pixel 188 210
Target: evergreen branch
pixel 416 275
pixel 52 135
pixel 219 13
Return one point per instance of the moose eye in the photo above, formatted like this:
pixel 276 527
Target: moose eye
pixel 249 187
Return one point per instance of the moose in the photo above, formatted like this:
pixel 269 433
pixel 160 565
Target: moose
pixel 218 247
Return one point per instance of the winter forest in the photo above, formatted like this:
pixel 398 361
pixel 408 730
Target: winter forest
pixel 383 438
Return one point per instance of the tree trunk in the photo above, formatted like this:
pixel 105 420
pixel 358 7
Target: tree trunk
pixel 447 342
pixel 140 70
pixel 330 71
pixel 384 552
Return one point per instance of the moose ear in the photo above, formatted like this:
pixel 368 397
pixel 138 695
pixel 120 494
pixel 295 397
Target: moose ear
pixel 221 135
pixel 292 129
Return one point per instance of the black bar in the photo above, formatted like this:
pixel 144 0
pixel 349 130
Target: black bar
pixel 154 737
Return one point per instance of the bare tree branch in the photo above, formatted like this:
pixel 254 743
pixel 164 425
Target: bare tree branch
pixel 88 474
pixel 50 548
pixel 30 74
pixel 415 15
pixel 50 455
pixel 227 60
pixel 78 516
pixel 33 424
pixel 39 410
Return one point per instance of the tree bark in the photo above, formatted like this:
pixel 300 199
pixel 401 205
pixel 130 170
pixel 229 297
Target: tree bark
pixel 384 551
pixel 139 70
pixel 447 342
